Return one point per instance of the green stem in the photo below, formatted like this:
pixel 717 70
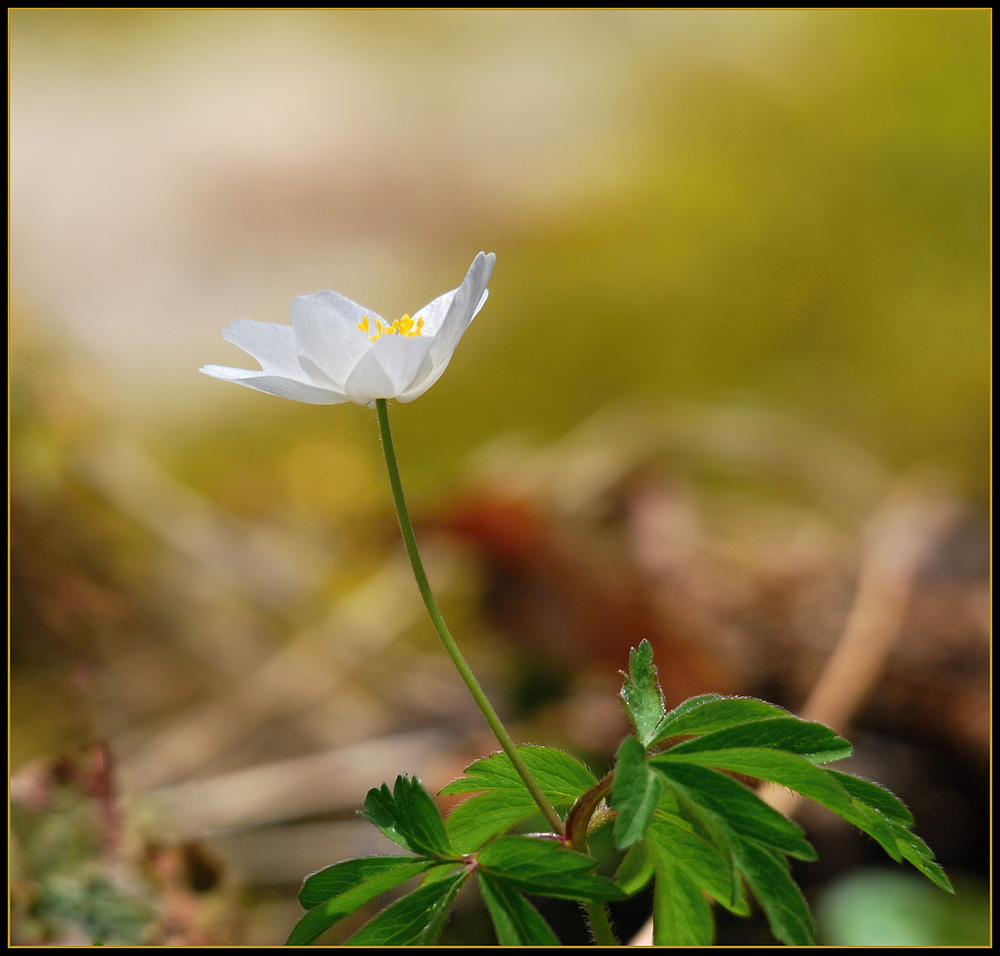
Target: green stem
pixel 406 527
pixel 600 924
pixel 577 824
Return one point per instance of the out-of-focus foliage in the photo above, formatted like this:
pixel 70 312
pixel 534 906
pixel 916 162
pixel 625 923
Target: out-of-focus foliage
pixel 84 873
pixel 820 238
pixel 874 907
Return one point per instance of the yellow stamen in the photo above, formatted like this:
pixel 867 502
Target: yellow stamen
pixel 404 326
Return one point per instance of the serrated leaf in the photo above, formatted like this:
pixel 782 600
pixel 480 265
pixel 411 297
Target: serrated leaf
pixel 908 847
pixel 503 799
pixel 415 920
pixel 381 878
pixel 919 854
pixel 875 825
pixel 682 915
pixel 679 836
pixel 635 793
pixel 766 872
pixel 332 881
pixel 807 738
pixel 797 774
pixel 721 838
pixel 641 693
pixel 409 816
pixel 787 770
pixel 738 807
pixel 708 712
pixel 546 868
pixel 516 921
pixel 561 776
pixel 482 817
pixel 635 870
pixel 873 795
pixel 379 809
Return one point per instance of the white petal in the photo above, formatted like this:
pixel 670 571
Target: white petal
pixel 273 345
pixel 434 312
pixel 451 324
pixel 276 385
pixel 433 368
pixel 401 357
pixel 369 381
pixel 468 299
pixel 429 374
pixel 330 344
pixel 426 373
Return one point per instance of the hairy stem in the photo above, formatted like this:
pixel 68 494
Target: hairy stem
pixel 600 924
pixel 577 825
pixel 406 527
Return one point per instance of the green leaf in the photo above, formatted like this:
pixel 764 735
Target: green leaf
pixel 919 854
pixel 785 769
pixel 440 872
pixel 635 870
pixel 766 872
pixel 736 806
pixel 516 921
pixel 546 868
pixel 679 836
pixel 409 816
pixel 332 881
pixel 885 817
pixel 691 704
pixel 377 878
pixel 635 793
pixel 875 825
pixel 807 738
pixel 480 818
pixel 722 838
pixel 874 796
pixel 682 915
pixel 708 712
pixel 829 789
pixel 641 693
pixel 740 905
pixel 561 776
pixel 505 800
pixel 415 920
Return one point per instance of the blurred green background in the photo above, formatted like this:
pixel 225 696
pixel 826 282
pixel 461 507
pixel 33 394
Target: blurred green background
pixel 787 210
pixel 787 206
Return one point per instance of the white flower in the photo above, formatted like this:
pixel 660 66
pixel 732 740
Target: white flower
pixel 337 351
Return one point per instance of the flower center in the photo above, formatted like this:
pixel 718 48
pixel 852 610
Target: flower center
pixel 404 326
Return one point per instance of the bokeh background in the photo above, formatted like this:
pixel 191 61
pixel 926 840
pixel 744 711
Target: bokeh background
pixel 740 312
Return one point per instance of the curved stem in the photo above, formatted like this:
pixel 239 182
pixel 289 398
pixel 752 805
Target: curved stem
pixel 578 820
pixel 409 539
pixel 577 824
